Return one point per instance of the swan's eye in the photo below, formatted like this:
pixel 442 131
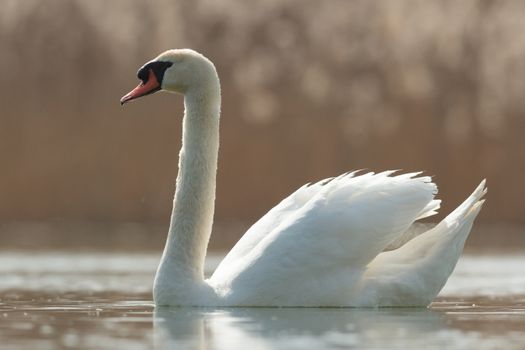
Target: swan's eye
pixel 142 74
pixel 157 67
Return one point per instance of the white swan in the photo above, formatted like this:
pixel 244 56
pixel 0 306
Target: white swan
pixel 321 246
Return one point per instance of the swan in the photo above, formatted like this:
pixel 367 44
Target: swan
pixel 322 246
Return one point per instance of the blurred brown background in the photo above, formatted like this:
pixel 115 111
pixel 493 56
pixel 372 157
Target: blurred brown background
pixel 310 90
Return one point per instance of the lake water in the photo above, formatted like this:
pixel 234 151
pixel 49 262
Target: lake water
pixel 51 300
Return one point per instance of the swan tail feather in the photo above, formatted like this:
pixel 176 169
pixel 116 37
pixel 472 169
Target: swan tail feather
pixel 452 225
pixel 419 269
pixel 464 208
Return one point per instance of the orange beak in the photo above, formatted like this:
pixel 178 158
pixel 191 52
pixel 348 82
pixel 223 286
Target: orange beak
pixel 150 86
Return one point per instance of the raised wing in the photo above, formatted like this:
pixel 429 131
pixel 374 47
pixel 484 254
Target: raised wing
pixel 275 216
pixel 342 223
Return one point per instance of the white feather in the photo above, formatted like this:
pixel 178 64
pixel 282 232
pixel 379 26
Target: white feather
pixel 324 245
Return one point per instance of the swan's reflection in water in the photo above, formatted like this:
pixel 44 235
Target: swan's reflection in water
pixel 290 328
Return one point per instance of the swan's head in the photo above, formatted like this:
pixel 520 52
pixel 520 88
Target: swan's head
pixel 179 71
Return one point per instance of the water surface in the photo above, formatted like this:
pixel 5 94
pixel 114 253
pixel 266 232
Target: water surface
pixel 55 300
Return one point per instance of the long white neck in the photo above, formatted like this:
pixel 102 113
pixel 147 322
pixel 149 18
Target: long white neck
pixel 193 205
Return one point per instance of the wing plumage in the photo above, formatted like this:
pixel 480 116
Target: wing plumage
pixel 338 224
pixel 275 216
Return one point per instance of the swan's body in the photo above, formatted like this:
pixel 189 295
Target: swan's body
pixel 322 246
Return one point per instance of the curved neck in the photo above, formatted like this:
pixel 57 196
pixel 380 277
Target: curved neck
pixel 194 201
